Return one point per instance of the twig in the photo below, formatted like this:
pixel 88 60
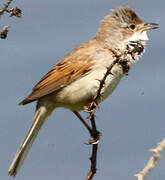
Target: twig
pixel 119 59
pixel 152 161
pixel 5 8
pixel 93 160
pixel 95 136
pixel 94 141
pixel 12 12
pixel 91 108
pixel 94 104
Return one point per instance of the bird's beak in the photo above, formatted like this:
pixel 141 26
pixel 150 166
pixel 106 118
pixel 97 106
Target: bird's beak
pixel 149 26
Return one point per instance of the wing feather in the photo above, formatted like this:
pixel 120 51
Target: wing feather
pixel 64 73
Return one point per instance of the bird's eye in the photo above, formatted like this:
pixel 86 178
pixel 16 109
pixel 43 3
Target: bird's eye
pixel 132 26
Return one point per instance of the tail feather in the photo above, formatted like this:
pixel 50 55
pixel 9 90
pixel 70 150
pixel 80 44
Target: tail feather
pixel 40 116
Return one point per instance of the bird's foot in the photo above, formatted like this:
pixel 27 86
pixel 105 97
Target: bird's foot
pixel 95 138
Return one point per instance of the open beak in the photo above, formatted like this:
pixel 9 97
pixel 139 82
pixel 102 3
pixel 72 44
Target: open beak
pixel 149 26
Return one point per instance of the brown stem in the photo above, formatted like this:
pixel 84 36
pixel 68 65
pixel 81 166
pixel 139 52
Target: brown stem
pixel 93 159
pixel 95 133
pixel 5 8
pixel 92 106
pixel 94 139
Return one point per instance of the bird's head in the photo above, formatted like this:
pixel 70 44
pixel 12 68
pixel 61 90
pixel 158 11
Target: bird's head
pixel 122 27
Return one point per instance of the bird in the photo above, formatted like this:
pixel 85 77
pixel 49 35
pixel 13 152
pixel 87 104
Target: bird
pixel 74 80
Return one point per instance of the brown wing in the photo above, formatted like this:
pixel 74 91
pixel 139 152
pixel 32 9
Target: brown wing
pixel 64 73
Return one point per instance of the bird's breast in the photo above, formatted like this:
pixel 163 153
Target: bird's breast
pixel 78 94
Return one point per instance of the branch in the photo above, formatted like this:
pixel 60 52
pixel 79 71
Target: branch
pixel 93 160
pixel 13 12
pixel 92 106
pixel 5 8
pixel 118 59
pixel 94 140
pixel 152 161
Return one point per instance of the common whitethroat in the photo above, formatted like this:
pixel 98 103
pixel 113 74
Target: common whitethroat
pixel 75 80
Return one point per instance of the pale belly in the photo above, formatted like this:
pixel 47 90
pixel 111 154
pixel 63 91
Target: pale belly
pixel 78 94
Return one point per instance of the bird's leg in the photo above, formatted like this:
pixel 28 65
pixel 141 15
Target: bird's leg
pixel 94 133
pixel 83 121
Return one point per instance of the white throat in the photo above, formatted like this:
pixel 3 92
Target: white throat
pixel 138 36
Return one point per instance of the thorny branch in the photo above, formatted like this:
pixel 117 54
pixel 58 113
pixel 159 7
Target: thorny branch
pixel 152 161
pixel 94 104
pixel 94 140
pixel 121 60
pixel 118 59
pixel 12 12
pixel 93 160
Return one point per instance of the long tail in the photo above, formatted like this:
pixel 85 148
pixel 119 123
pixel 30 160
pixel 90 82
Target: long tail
pixel 40 116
